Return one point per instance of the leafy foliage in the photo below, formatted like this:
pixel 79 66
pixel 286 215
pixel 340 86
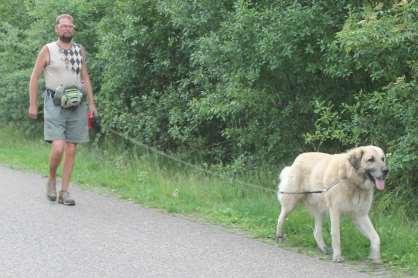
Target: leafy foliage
pixel 248 83
pixel 378 48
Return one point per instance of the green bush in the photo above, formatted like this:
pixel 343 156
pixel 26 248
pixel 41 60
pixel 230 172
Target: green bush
pixel 377 49
pixel 248 83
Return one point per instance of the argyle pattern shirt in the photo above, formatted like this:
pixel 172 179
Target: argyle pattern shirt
pixel 73 57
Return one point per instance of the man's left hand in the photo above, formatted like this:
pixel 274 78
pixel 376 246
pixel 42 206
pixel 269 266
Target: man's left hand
pixel 92 108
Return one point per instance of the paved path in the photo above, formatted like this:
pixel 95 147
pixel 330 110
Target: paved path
pixel 103 236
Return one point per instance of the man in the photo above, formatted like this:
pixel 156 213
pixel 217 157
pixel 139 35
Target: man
pixel 63 64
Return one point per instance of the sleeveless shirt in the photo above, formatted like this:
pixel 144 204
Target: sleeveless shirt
pixel 64 66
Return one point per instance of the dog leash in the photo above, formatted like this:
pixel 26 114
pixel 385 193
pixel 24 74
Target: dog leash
pixel 311 192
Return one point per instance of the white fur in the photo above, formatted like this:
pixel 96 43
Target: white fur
pixel 351 195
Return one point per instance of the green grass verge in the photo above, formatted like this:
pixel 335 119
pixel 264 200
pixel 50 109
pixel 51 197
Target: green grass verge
pixel 151 182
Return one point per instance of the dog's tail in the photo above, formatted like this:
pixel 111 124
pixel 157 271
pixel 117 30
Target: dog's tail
pixel 284 179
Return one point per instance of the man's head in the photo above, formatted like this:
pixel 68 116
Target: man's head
pixel 64 27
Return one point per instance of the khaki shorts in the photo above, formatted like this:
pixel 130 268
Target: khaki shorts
pixel 65 124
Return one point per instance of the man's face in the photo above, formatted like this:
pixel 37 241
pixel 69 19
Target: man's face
pixel 65 30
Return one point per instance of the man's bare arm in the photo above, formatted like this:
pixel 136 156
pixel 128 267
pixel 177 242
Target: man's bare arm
pixel 87 86
pixel 40 64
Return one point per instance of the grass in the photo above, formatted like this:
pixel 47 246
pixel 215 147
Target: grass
pixel 152 182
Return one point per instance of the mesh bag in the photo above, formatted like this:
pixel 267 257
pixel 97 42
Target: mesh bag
pixel 71 97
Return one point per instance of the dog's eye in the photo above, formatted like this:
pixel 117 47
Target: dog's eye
pixel 383 158
pixel 371 159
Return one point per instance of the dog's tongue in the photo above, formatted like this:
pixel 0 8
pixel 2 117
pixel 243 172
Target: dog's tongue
pixel 380 183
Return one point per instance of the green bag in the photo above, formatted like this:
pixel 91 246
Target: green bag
pixel 68 98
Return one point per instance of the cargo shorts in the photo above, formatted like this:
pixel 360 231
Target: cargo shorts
pixel 65 124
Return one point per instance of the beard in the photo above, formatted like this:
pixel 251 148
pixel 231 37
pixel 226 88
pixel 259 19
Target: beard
pixel 65 38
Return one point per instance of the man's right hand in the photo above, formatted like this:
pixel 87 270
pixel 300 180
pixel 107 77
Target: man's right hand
pixel 33 112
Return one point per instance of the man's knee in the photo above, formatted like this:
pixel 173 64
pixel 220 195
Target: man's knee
pixel 58 146
pixel 70 148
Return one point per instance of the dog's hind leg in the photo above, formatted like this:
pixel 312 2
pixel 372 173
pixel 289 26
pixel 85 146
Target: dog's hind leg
pixel 288 203
pixel 319 216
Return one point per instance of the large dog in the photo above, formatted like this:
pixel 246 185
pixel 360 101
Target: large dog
pixel 338 184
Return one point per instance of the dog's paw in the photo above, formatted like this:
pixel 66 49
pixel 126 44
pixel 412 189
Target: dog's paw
pixel 376 260
pixel 325 250
pixel 338 259
pixel 280 239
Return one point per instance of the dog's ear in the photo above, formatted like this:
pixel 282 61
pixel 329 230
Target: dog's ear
pixel 355 158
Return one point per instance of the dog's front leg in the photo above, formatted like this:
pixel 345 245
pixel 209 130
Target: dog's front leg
pixel 365 226
pixel 318 231
pixel 335 234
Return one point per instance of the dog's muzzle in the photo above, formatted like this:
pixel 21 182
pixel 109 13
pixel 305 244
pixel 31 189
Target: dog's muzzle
pixel 379 182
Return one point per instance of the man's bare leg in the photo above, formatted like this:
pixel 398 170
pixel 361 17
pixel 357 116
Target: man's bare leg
pixel 69 158
pixel 55 159
pixel 54 162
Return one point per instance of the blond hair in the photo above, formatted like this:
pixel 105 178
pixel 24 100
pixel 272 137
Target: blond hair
pixel 61 16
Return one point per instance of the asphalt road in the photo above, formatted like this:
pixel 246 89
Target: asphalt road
pixel 103 236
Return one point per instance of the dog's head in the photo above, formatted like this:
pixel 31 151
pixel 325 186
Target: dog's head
pixel 369 163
